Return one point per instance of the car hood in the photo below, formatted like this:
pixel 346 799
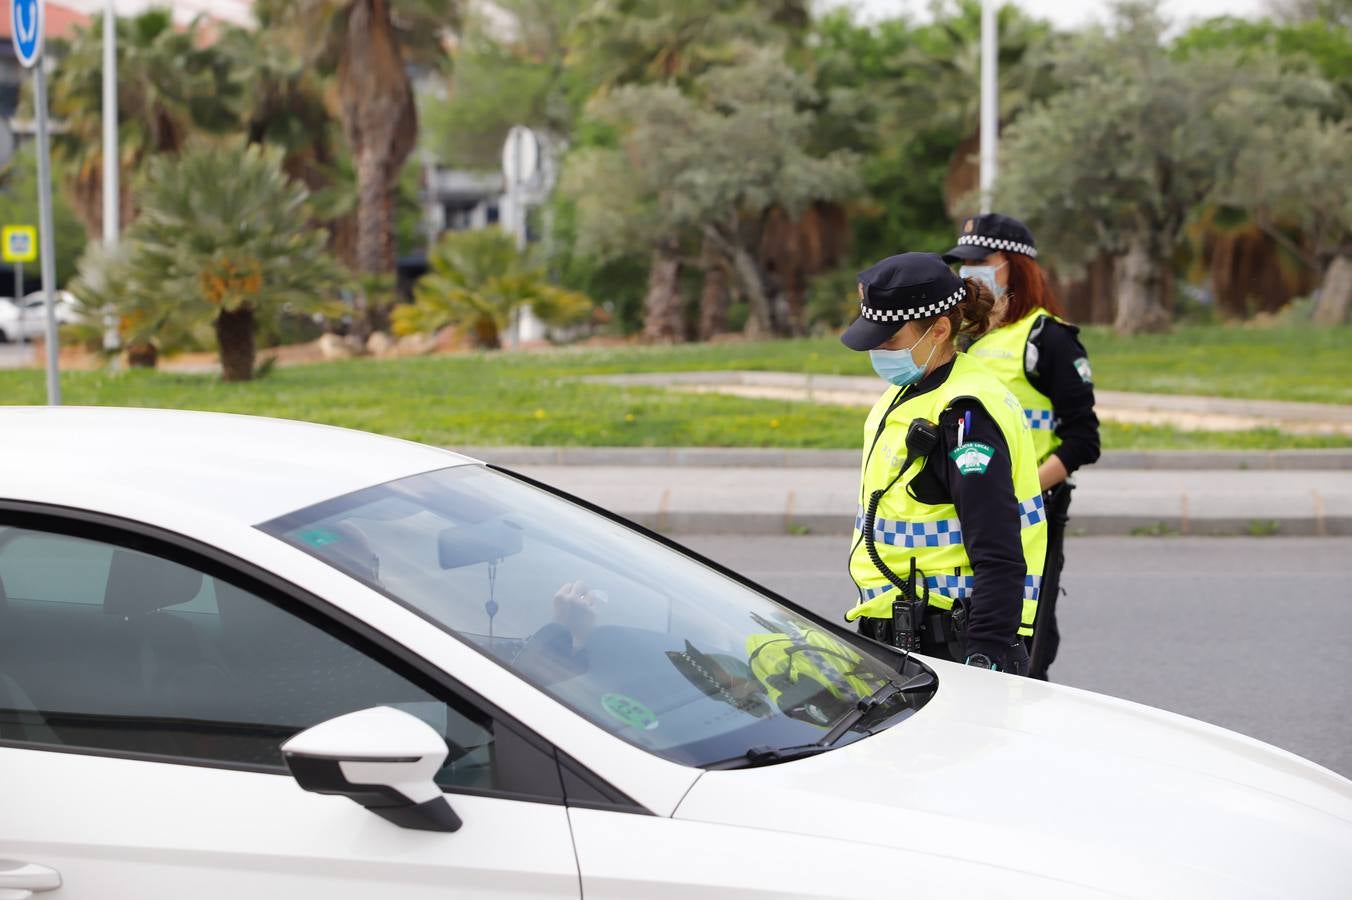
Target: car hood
pixel 1061 783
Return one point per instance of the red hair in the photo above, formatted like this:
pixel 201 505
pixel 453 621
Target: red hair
pixel 1028 289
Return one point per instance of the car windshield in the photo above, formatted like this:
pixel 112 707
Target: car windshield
pixel 649 644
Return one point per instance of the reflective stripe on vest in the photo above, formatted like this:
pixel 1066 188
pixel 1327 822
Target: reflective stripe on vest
pixel 906 528
pixel 1004 351
pixel 949 588
pixel 942 532
pixel 1041 419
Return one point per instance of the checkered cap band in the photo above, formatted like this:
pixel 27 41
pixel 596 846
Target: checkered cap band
pixel 960 587
pixel 995 243
pixel 906 315
pixel 1041 419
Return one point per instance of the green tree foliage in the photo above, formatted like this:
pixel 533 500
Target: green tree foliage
pixel 172 84
pixel 1299 170
pixel 478 281
pixel 1118 161
pixel 714 161
pixel 497 81
pixel 19 206
pixel 223 241
pixel 1314 45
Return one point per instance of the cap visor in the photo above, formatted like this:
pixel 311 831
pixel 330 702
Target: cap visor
pixel 967 252
pixel 865 335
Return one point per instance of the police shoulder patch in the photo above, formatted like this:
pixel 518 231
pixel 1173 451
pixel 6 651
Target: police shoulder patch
pixel 1086 373
pixel 972 457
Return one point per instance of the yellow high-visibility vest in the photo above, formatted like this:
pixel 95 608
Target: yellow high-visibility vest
pixel 1004 351
pixel 907 528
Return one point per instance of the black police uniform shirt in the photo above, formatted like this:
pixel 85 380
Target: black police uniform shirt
pixel 1070 389
pixel 989 512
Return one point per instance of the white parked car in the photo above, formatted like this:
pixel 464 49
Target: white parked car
pixel 27 318
pixel 242 657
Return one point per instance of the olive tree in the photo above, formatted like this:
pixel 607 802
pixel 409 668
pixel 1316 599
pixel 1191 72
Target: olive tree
pixel 1118 162
pixel 1300 173
pixel 712 162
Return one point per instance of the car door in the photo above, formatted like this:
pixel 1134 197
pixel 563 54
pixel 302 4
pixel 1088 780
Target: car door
pixel 143 698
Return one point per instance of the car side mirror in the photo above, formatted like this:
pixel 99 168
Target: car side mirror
pixel 382 758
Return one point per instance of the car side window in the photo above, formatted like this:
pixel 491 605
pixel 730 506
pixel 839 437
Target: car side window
pixel 107 648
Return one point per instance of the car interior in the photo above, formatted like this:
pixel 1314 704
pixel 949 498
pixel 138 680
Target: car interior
pixel 108 647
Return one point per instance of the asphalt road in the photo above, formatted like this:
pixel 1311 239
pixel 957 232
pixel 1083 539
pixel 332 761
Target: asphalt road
pixel 1253 634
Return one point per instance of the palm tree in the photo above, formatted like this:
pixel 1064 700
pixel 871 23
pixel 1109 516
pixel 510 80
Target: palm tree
pixel 369 45
pixel 224 240
pixel 478 282
pixel 171 84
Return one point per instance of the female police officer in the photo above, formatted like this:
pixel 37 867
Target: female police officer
pixel 1042 361
pixel 950 538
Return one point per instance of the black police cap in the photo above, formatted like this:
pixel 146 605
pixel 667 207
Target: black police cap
pixel 898 290
pixel 982 235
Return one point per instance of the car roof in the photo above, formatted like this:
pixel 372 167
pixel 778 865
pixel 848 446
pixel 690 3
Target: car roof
pixel 138 463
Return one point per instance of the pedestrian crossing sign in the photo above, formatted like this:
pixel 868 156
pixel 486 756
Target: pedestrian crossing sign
pixel 19 243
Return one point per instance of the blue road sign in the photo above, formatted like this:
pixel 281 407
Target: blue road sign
pixel 26 22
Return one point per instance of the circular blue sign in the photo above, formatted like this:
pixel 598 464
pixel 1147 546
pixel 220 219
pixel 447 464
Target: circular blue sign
pixel 26 23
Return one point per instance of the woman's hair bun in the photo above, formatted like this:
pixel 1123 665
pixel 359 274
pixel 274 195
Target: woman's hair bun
pixel 975 308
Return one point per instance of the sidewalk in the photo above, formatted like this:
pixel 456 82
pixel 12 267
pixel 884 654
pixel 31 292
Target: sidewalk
pixel 1191 413
pixel 692 491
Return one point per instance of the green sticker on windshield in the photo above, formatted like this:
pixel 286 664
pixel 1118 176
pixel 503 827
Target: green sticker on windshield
pixel 972 456
pixel 319 537
pixel 629 711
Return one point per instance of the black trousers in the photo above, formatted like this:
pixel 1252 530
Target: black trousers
pixel 1046 639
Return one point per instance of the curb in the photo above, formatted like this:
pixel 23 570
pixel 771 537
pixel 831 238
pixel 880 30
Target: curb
pixel 764 524
pixel 757 457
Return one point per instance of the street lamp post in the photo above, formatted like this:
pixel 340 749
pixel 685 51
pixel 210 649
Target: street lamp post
pixel 111 156
pixel 990 101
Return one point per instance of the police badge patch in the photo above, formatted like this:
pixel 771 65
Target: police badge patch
pixel 1086 373
pixel 972 457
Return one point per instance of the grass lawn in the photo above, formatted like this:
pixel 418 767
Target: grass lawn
pixel 535 399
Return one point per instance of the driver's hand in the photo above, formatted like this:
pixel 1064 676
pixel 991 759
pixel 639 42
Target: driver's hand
pixel 575 609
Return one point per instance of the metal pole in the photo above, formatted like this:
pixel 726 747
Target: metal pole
pixel 110 149
pixel 45 242
pixel 990 100
pixel 18 301
pixel 112 195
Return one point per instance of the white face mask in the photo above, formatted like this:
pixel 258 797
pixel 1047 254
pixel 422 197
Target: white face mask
pixel 986 274
pixel 899 366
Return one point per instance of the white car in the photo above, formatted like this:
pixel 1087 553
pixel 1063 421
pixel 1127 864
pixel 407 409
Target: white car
pixel 27 318
pixel 242 657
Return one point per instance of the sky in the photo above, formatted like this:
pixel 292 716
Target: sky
pixel 230 10
pixel 1066 13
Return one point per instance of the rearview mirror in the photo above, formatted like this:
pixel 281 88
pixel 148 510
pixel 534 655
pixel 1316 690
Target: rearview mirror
pixel 483 542
pixel 383 759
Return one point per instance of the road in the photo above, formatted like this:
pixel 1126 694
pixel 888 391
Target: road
pixel 1253 634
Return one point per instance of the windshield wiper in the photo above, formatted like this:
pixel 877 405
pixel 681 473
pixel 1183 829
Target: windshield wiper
pixel 867 705
pixel 765 755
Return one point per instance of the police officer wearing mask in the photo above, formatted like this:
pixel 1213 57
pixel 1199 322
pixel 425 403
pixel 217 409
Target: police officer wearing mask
pixel 951 514
pixel 1040 358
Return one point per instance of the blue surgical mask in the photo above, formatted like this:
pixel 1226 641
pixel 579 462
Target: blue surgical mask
pixel 899 366
pixel 986 274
